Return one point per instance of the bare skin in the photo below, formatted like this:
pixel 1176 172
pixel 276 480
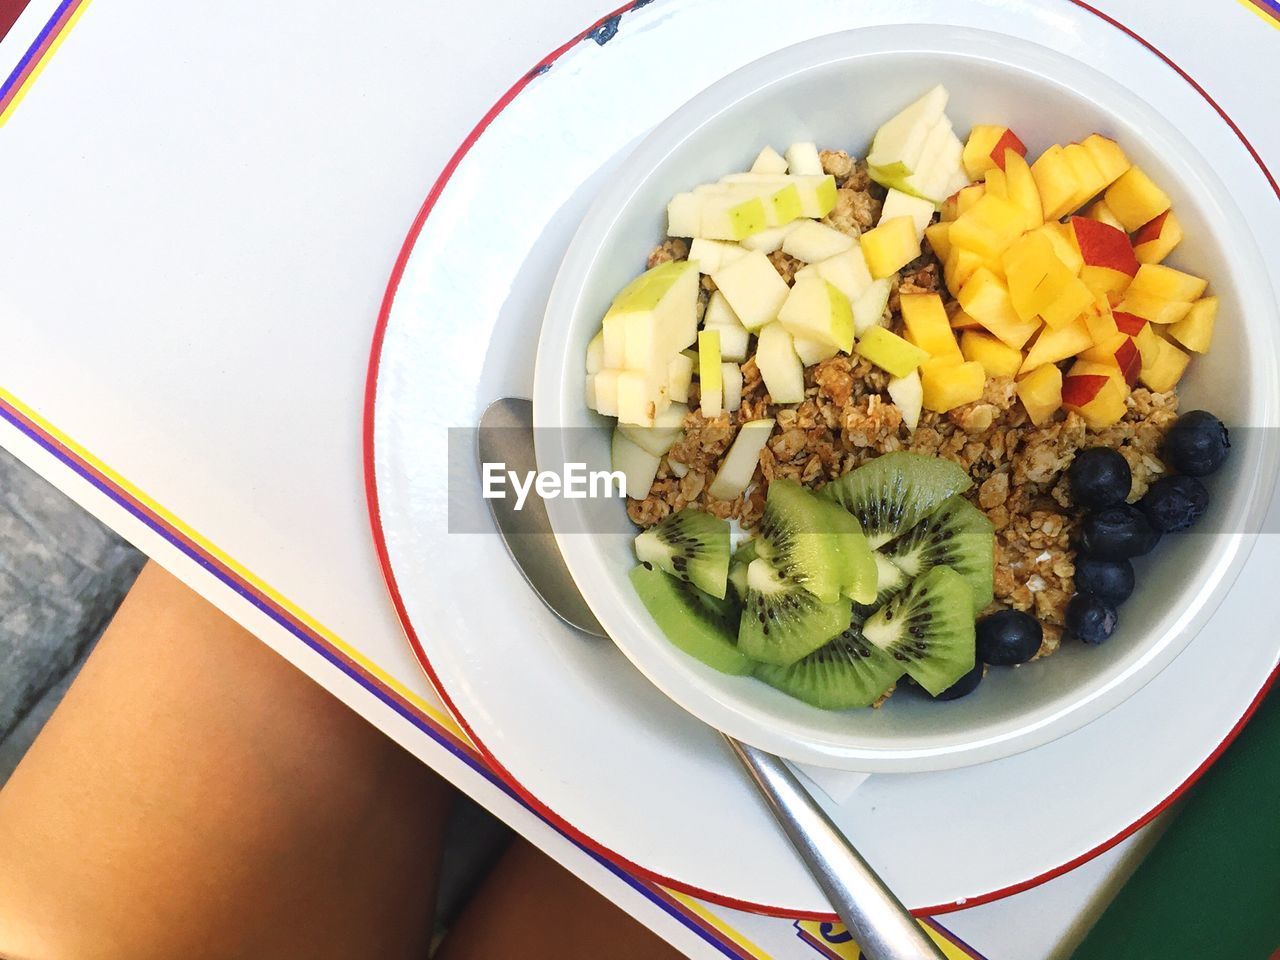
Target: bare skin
pixel 196 796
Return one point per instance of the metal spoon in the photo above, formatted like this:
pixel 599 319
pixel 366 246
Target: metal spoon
pixel 876 918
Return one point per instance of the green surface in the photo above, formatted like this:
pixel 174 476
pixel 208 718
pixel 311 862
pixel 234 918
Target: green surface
pixel 1210 890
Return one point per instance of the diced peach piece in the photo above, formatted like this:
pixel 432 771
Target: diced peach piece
pixel 960 201
pixel 986 148
pixel 1153 308
pixel 1021 189
pixel 938 235
pixel 985 297
pixel 1041 393
pixel 1165 368
pixel 1195 330
pixel 1109 263
pixel 998 359
pixel 996 183
pixel 948 384
pixel 1120 352
pixel 1092 391
pixel 988 226
pixel 890 352
pixel 1168 283
pixel 1100 320
pixel 890 246
pixel 1054 345
pixel 1155 239
pixel 1067 308
pixel 962 321
pixel 1035 275
pixel 1089 178
pixel 928 326
pixel 1099 211
pixel 1064 245
pixel 1143 335
pixel 959 267
pixel 1108 156
pixel 1056 181
pixel 1135 199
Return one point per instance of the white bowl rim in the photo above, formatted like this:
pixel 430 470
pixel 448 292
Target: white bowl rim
pixel 626 621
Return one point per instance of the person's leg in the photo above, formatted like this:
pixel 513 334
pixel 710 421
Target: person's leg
pixel 531 907
pixel 196 796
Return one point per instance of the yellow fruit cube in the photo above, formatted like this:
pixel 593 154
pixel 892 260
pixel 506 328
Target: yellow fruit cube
pixel 1089 179
pixel 985 297
pixel 996 183
pixel 1156 239
pixel 1054 345
pixel 998 359
pixel 1100 320
pixel 1035 275
pixel 1096 392
pixel 938 235
pixel 1153 308
pixel 1064 244
pixel 1021 189
pixel 1041 393
pixel 1099 211
pixel 1108 157
pixel 959 267
pixel 1166 367
pixel 1056 180
pixel 890 246
pixel 987 147
pixel 1195 330
pixel 1135 199
pixel 988 227
pixel 1167 283
pixel 1072 300
pixel 960 201
pixel 928 326
pixel 948 384
pixel 890 352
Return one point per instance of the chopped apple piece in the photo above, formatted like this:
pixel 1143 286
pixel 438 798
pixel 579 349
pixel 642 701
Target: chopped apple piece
pixel 769 240
pixel 637 465
pixel 639 399
pixel 1109 263
pixel 939 171
pixel 667 428
pixel 1089 179
pixel 985 149
pixel 816 193
pixel 753 288
pixel 769 160
pixel 899 144
pixel 1195 330
pixel 988 227
pixel 1054 345
pixel 589 394
pixel 890 246
pixel 908 394
pixel 1155 240
pixel 816 310
pixel 606 392
pixel 731 377
pixel 997 359
pixel 711 255
pixel 710 384
pixel 1168 283
pixel 1034 274
pixel 1056 181
pixel 1041 393
pixel 684 215
pixel 1135 199
pixel 1153 308
pixel 780 367
pixel 679 376
pixel 846 271
pixel 890 352
pixel 1099 211
pixel 1095 392
pixel 985 297
pixel 1107 156
pixel 928 326
pixel 802 158
pixel 813 242
pixel 868 309
pixel 595 353
pixel 813 351
pixel 1166 367
pixel 1021 189
pixel 739 464
pixel 732 216
pixel 899 204
pixel 947 384
pixel 937 235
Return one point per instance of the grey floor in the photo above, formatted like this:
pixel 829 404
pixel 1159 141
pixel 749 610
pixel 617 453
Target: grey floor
pixel 62 576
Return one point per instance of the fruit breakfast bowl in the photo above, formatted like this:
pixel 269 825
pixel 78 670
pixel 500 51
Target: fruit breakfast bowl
pixel 836 91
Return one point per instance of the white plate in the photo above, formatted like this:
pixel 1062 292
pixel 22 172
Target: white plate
pixel 579 732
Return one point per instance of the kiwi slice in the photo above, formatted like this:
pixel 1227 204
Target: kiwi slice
pixel 796 538
pixel 889 580
pixel 859 574
pixel 895 491
pixel 782 621
pixel 699 624
pixel 844 673
pixel 956 535
pixel 743 556
pixel 692 545
pixel 929 628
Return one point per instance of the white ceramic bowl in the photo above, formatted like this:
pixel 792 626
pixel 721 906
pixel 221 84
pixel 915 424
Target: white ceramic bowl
pixel 835 91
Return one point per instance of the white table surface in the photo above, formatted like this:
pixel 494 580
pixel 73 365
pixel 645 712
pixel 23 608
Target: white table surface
pixel 203 202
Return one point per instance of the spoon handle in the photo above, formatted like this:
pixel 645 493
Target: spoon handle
pixel 876 918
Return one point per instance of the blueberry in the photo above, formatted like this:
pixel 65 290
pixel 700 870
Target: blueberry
pixel 1117 533
pixel 1111 581
pixel 1099 477
pixel 1090 619
pixel 1196 444
pixel 1174 503
pixel 964 686
pixel 1007 637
